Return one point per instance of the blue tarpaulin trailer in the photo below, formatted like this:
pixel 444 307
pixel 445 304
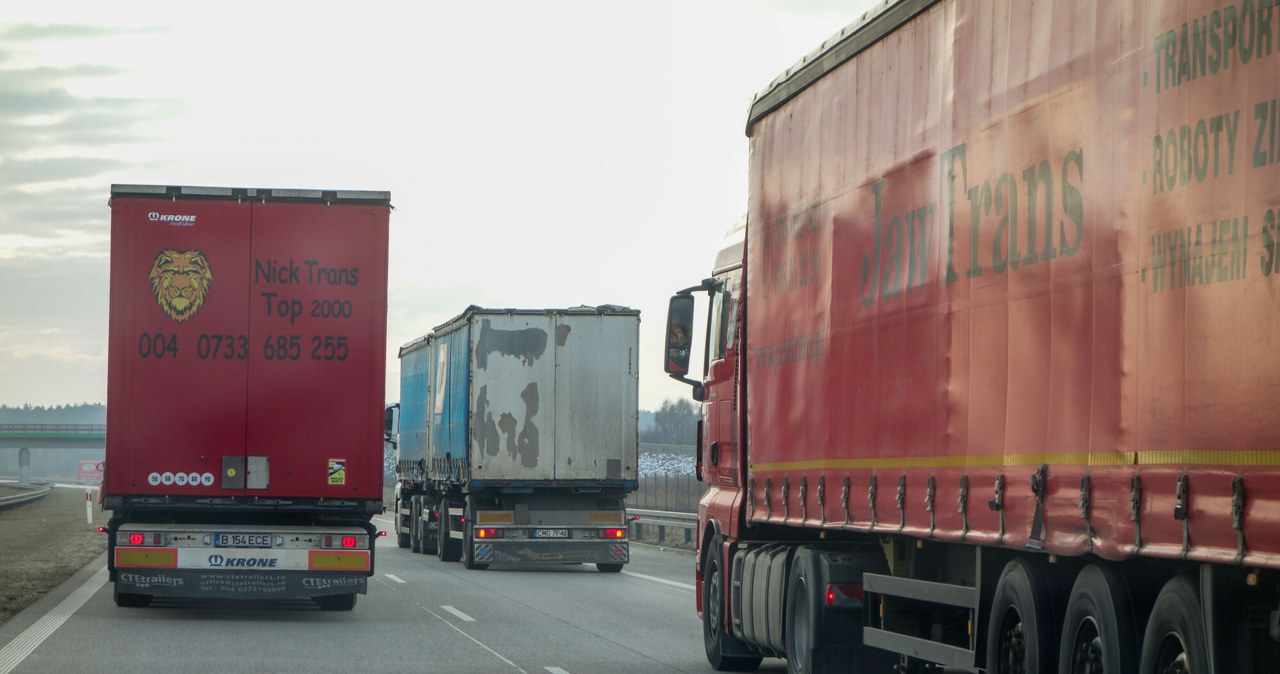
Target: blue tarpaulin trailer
pixel 518 436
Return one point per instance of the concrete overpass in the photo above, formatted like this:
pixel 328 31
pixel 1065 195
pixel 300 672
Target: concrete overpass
pixel 25 437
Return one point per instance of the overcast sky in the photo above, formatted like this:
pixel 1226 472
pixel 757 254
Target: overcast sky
pixel 538 154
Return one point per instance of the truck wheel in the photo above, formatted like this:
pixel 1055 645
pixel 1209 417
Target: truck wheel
pixel 715 638
pixel 415 514
pixel 801 617
pixel 130 600
pixel 1175 640
pixel 402 539
pixel 425 535
pixel 1098 632
pixel 608 567
pixel 819 638
pixel 450 550
pixel 337 602
pixel 1021 632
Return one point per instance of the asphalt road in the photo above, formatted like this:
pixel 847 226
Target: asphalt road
pixel 421 614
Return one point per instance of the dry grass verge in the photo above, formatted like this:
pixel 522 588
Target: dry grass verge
pixel 42 544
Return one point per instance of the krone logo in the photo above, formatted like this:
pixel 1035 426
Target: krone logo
pixel 180 280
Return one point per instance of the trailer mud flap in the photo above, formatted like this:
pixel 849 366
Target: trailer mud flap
pixel 192 583
pixel 568 552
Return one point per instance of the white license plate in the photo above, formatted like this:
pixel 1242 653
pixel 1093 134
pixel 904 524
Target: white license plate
pixel 242 540
pixel 550 533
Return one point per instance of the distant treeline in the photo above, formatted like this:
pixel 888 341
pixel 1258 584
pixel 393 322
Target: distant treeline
pixel 84 413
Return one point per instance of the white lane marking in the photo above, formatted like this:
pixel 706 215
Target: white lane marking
pixel 664 581
pixel 556 670
pixel 396 578
pixel 473 639
pixel 382 520
pixel 17 650
pixel 464 617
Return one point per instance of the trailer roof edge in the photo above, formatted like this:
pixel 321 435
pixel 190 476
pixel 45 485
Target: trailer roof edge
pixel 852 40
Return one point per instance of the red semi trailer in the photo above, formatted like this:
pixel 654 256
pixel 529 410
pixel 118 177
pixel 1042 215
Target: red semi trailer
pixel 991 379
pixel 245 379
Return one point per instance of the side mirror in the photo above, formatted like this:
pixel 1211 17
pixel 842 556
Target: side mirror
pixel 679 328
pixel 391 420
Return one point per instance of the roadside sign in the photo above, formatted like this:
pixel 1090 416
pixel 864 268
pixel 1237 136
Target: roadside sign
pixel 90 471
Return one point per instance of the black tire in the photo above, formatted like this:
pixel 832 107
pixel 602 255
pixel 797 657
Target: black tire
pixel 448 549
pixel 1098 633
pixel 715 638
pixel 131 600
pixel 415 514
pixel 1176 640
pixel 337 602
pixel 1022 633
pixel 402 539
pixel 608 567
pixel 428 538
pixel 801 619
pixel 819 640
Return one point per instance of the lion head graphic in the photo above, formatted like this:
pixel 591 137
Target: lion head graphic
pixel 181 281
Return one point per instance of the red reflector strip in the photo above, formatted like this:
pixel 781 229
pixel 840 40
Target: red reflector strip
pixel 324 560
pixel 155 558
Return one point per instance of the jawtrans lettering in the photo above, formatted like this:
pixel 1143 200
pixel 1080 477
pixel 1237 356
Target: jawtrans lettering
pixel 901 253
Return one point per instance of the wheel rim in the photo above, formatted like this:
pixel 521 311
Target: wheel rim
pixel 798 644
pixel 714 599
pixel 1013 644
pixel 1086 649
pixel 1172 656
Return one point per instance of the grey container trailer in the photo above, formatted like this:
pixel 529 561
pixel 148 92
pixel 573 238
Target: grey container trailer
pixel 518 436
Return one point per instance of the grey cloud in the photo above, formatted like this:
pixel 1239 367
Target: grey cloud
pixel 67 120
pixel 29 171
pixel 80 122
pixel 32 32
pixel 78 209
pixel 46 78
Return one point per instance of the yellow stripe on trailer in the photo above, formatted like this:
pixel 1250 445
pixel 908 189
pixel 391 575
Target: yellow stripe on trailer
pixel 325 560
pixel 155 558
pixel 605 517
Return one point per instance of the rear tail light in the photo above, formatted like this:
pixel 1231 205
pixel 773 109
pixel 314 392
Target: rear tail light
pixel 486 533
pixel 140 538
pixel 844 595
pixel 348 542
pixel 617 534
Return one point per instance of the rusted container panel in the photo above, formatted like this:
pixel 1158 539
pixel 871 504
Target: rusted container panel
pixel 536 395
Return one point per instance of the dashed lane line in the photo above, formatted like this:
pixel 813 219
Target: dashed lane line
pixel 17 650
pixel 664 581
pixel 461 616
pixel 476 641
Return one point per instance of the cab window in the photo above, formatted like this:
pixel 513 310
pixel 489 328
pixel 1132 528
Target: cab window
pixel 724 310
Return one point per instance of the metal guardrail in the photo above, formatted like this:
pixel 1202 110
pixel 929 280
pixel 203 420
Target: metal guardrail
pixel 53 428
pixel 18 499
pixel 663 519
